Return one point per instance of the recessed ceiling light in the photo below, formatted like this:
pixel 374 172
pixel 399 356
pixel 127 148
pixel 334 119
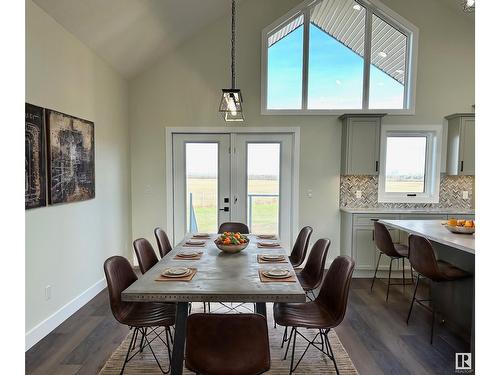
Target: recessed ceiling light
pixel 382 54
pixel 356 7
pixel 399 71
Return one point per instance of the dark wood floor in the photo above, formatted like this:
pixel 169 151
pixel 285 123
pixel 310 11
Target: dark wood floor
pixel 374 334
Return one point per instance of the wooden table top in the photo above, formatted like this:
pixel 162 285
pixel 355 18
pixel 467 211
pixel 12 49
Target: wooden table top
pixel 220 277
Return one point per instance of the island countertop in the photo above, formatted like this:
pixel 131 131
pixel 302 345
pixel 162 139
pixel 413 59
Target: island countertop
pixel 433 230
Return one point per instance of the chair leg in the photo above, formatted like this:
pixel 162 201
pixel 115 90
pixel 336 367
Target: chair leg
pixel 132 341
pixel 329 346
pixel 288 345
pixel 389 281
pixel 141 347
pixel 432 324
pixel 404 278
pixel 294 332
pixel 413 299
pixel 376 269
pixel 284 337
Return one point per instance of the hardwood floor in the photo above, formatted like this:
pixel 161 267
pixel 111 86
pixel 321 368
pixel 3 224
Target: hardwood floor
pixel 374 333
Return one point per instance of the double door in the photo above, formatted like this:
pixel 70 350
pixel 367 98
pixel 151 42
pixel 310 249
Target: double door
pixel 232 177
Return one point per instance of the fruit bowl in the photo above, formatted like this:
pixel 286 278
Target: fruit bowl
pixel 230 242
pixel 460 229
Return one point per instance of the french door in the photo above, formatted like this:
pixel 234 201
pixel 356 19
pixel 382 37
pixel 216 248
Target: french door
pixel 244 177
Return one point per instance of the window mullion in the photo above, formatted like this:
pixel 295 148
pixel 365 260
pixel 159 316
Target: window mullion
pixel 305 58
pixel 367 58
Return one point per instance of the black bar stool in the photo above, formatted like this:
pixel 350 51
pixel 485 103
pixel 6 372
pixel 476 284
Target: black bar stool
pixel 384 244
pixel 424 262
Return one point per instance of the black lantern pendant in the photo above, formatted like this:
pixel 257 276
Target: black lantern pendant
pixel 230 104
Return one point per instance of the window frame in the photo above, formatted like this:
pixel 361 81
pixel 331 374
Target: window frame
pixel 433 133
pixel 371 7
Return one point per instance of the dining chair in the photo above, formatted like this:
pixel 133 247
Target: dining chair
pixel 139 316
pixel 227 344
pixel 324 313
pixel 163 242
pixel 311 275
pixel 384 244
pixel 299 250
pixel 424 262
pixel 145 254
pixel 234 227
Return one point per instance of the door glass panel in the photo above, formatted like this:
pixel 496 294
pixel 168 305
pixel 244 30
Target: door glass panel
pixel 263 187
pixel 201 187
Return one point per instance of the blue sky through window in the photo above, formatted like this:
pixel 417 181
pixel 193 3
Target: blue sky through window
pixel 335 76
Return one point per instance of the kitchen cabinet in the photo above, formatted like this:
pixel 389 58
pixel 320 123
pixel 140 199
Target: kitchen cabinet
pixel 360 144
pixel 461 138
pixel 357 238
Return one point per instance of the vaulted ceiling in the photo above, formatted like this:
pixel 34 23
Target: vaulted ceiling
pixel 131 34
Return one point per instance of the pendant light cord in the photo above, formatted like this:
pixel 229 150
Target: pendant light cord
pixel 233 43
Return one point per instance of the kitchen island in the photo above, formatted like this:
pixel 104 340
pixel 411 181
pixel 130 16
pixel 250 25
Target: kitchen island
pixel 454 300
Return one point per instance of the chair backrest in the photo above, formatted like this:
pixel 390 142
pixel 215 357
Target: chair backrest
pixel 383 240
pixel 234 227
pixel 315 266
pixel 422 257
pixel 335 289
pixel 145 254
pixel 299 250
pixel 163 242
pixel 235 344
pixel 119 276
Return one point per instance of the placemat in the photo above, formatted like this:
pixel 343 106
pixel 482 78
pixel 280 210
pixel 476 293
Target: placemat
pixel 268 247
pixel 193 245
pixel 184 278
pixel 262 260
pixel 265 279
pixel 266 237
pixel 197 257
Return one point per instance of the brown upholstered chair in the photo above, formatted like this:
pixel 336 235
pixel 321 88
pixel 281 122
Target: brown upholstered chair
pixel 145 254
pixel 163 242
pixel 227 344
pixel 311 275
pixel 384 244
pixel 324 313
pixel 138 315
pixel 424 262
pixel 299 250
pixel 234 227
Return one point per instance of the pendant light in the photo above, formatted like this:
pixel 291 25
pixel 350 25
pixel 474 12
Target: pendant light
pixel 230 104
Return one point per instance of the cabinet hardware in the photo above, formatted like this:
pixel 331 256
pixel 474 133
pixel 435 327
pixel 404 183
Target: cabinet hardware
pixel 226 209
pixel 373 235
pixel 376 166
pixel 374 219
pixel 462 166
pixel 411 195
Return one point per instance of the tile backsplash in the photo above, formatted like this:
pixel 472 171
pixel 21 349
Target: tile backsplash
pixel 450 193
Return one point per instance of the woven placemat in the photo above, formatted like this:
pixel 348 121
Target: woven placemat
pixel 197 257
pixel 265 279
pixel 183 278
pixel 262 260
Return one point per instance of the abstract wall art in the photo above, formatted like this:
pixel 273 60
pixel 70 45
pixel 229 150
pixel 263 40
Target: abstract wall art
pixel 71 170
pixel 34 170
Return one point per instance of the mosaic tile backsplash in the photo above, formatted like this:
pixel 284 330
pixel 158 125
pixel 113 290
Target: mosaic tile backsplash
pixel 450 193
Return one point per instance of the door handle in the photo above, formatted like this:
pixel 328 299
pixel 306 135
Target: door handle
pixel 462 166
pixel 226 209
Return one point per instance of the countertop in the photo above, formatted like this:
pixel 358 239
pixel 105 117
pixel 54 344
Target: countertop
pixel 433 230
pixel 382 210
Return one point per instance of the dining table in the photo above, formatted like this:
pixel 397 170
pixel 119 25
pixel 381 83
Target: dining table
pixel 220 277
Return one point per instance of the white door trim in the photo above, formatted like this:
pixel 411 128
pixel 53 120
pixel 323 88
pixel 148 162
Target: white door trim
pixel 169 131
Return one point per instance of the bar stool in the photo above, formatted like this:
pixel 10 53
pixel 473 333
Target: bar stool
pixel 384 244
pixel 424 262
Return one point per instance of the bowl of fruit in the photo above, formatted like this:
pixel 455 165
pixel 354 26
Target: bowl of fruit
pixel 231 242
pixel 461 226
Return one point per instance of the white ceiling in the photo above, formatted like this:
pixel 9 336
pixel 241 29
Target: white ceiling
pixel 131 34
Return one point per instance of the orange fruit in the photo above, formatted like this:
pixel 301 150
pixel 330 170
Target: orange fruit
pixel 469 224
pixel 452 222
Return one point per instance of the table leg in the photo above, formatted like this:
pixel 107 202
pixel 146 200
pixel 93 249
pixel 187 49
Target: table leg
pixel 179 338
pixel 261 308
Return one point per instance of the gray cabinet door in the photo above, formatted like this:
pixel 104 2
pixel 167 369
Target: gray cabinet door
pixel 361 149
pixel 363 248
pixel 467 146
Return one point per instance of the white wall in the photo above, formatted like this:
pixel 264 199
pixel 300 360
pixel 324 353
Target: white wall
pixel 66 245
pixel 183 89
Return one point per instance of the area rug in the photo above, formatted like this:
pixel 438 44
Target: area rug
pixel 314 361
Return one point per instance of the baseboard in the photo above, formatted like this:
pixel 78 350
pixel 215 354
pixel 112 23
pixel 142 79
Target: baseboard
pixel 48 325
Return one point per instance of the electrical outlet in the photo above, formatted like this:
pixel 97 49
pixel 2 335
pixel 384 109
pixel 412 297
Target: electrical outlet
pixel 48 292
pixel 309 193
pixel 465 194
pixel 358 194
